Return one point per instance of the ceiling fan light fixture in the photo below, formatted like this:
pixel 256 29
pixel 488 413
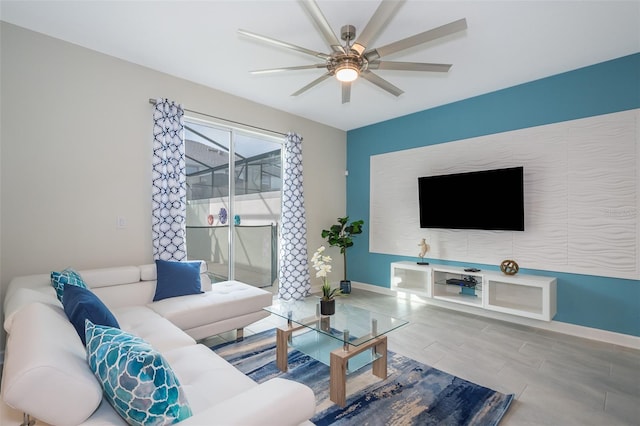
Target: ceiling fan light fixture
pixel 346 61
pixel 347 72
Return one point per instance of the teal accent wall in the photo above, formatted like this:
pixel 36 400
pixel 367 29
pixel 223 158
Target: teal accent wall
pixel 599 302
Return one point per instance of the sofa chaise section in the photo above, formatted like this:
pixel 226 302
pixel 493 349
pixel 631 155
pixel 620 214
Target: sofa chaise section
pixel 225 306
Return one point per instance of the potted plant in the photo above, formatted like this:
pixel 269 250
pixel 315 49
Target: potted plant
pixel 341 235
pixel 322 264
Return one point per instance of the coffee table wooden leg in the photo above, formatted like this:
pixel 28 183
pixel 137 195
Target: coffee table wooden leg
pixel 282 350
pixel 338 367
pixel 379 368
pixel 338 379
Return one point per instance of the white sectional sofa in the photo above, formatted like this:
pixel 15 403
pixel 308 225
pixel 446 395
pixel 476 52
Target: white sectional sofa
pixel 46 374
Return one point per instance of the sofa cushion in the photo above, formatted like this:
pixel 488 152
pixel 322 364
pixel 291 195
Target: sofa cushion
pixel 45 369
pixel 133 294
pixel 177 279
pixel 107 277
pixel 276 401
pixel 67 276
pixel 137 380
pixel 226 300
pixel 201 372
pixel 145 323
pixel 81 304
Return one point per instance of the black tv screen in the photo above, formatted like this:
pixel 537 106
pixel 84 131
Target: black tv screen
pixel 488 199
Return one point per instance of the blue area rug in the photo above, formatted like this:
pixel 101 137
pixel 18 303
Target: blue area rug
pixel 412 394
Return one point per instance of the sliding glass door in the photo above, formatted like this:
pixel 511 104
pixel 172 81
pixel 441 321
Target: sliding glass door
pixel 233 223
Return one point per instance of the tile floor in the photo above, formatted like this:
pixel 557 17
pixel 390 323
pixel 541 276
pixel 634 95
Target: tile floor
pixel 557 379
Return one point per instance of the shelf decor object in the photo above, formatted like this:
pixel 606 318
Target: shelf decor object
pixel 222 216
pixel 424 248
pixel 509 267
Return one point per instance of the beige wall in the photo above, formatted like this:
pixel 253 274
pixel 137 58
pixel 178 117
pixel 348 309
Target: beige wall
pixel 76 151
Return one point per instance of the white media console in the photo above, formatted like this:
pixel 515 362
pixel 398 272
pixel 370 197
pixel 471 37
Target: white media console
pixel 528 296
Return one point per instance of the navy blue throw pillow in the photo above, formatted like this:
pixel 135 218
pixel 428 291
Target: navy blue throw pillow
pixel 177 279
pixel 81 304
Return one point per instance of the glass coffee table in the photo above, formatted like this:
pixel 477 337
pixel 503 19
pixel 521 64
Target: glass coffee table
pixel 345 341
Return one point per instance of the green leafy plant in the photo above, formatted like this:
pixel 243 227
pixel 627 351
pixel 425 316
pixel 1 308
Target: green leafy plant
pixel 341 235
pixel 322 264
pixel 330 293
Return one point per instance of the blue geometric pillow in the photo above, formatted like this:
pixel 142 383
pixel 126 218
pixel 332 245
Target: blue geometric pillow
pixel 137 381
pixel 68 276
pixel 81 304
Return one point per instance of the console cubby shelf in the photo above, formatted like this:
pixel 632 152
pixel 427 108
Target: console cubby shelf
pixel 470 293
pixel 522 295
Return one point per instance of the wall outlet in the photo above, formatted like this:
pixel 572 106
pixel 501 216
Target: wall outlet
pixel 121 222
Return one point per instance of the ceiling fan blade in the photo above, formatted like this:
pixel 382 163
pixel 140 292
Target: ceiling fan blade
pixel 380 18
pixel 313 83
pixel 381 83
pixel 346 92
pixel 408 66
pixel 301 67
pixel 284 44
pixel 318 18
pixel 415 40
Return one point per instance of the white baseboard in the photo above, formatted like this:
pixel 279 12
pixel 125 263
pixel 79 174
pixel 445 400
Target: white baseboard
pixel 611 337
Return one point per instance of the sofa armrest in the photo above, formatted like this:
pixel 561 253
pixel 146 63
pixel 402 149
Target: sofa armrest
pixel 276 401
pixel 45 371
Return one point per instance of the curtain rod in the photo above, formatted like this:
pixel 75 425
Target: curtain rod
pixel 153 102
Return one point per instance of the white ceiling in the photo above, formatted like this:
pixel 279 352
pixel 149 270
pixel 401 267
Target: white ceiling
pixel 506 43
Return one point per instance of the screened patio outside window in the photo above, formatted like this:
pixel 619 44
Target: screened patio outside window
pixel 237 235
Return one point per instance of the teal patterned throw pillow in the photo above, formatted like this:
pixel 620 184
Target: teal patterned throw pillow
pixel 68 276
pixel 137 381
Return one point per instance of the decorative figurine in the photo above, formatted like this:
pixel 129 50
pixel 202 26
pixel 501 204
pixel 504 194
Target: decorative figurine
pixel 509 267
pixel 222 216
pixel 424 248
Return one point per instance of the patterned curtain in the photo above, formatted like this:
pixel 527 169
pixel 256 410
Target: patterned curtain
pixel 295 282
pixel 169 190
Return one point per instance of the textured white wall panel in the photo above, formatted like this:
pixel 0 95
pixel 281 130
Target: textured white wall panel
pixel 582 196
pixel 602 181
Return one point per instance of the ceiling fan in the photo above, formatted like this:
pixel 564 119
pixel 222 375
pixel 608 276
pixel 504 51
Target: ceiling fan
pixel 354 59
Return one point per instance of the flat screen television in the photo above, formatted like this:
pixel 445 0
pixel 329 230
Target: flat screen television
pixel 488 199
